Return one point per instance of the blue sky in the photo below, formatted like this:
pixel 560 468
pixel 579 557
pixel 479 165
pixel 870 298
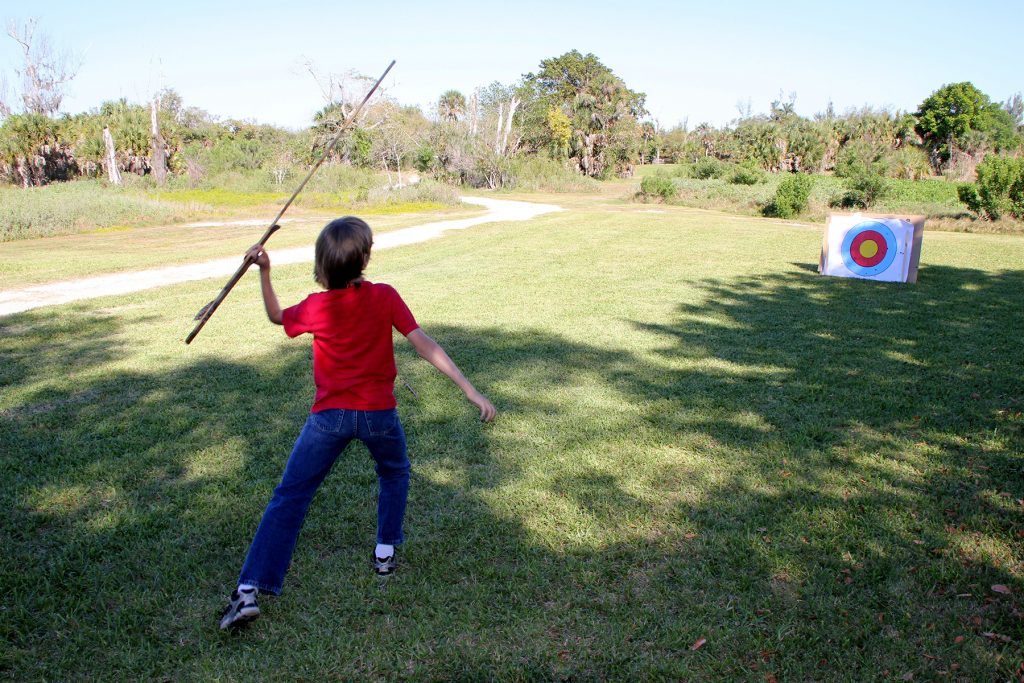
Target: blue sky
pixel 695 61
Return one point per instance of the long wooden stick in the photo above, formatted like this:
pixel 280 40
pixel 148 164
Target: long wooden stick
pixel 207 311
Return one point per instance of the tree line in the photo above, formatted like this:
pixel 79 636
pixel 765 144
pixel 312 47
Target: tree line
pixel 573 111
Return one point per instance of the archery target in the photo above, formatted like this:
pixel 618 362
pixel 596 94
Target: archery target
pixel 868 248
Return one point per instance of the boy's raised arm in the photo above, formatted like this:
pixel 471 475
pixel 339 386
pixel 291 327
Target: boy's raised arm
pixel 270 303
pixel 432 352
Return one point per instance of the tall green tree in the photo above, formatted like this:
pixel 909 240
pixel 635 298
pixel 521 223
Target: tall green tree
pixel 603 112
pixel 953 111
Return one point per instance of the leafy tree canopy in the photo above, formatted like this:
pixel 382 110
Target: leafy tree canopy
pixel 603 112
pixel 954 110
pixel 576 78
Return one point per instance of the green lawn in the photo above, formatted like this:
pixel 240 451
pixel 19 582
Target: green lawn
pixel 699 438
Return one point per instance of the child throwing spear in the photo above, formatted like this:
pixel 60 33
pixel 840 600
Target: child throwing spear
pixel 354 373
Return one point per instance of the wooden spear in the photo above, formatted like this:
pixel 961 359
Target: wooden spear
pixel 206 312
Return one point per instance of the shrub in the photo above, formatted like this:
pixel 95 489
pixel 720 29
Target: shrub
pixel 865 188
pixel 236 155
pixel 859 156
pixel 747 175
pixel 968 194
pixel 658 186
pixel 708 167
pixel 425 158
pixel 908 162
pixel 999 190
pixel 791 197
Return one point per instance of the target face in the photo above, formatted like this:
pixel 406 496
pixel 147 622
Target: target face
pixel 869 248
pixel 872 247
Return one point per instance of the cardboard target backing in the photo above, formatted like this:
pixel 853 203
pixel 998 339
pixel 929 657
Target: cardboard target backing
pixel 870 246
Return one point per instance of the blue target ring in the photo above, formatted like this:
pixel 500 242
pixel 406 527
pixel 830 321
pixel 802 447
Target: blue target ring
pixel 871 265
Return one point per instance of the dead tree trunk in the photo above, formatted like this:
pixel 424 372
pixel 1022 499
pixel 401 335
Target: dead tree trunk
pixel 158 159
pixel 112 172
pixel 497 132
pixel 512 106
pixel 474 113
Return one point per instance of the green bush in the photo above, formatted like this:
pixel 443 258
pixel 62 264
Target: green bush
pixel 860 156
pixel 908 162
pixel 968 194
pixel 865 188
pixel 747 175
pixel 708 167
pixel 236 155
pixel 658 186
pixel 791 196
pixel 999 190
pixel 425 158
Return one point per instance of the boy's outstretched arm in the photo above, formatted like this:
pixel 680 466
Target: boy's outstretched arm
pixel 270 303
pixel 432 352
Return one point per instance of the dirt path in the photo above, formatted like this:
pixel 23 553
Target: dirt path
pixel 27 298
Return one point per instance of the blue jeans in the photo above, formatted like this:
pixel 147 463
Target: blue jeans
pixel 324 436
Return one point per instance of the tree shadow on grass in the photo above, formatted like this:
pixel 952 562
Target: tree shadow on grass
pixel 807 472
pixel 884 474
pixel 842 465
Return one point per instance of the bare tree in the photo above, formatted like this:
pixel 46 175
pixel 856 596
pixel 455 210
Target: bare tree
pixel 46 72
pixel 504 127
pixel 474 111
pixel 158 158
pixel 344 89
pixel 1015 108
pixel 513 104
pixel 497 129
pixel 745 109
pixel 113 173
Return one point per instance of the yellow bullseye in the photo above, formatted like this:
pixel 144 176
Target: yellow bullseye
pixel 868 248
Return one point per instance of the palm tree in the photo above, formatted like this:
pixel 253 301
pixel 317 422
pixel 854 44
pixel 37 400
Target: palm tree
pixel 451 105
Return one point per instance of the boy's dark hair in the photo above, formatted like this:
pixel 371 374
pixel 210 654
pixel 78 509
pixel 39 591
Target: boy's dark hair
pixel 342 251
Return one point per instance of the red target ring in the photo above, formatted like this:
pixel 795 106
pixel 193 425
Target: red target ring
pixel 868 248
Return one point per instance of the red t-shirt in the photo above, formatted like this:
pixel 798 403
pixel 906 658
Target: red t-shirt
pixel 353 354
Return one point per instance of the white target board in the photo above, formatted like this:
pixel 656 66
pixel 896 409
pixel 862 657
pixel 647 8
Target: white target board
pixel 872 247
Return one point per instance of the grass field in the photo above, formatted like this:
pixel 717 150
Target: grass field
pixel 700 441
pixel 90 206
pixel 51 259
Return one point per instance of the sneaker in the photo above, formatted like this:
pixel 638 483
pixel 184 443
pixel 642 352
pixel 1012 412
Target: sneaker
pixel 242 609
pixel 384 565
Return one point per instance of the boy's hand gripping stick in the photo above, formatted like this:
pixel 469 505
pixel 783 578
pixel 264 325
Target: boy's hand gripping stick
pixel 206 311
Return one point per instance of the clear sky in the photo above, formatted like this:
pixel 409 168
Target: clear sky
pixel 695 61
